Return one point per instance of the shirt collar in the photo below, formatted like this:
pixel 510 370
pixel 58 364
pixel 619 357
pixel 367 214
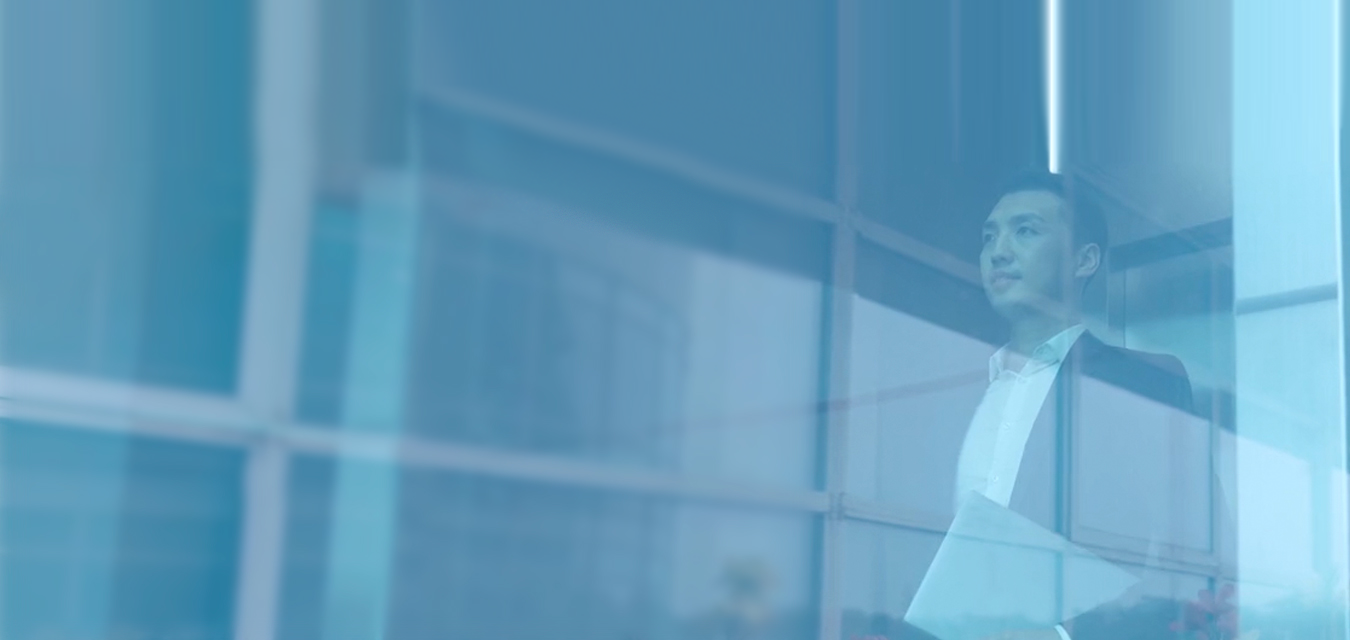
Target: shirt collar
pixel 1050 352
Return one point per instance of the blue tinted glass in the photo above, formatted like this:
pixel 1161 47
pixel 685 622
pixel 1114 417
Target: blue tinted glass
pixel 836 319
pixel 107 534
pixel 127 171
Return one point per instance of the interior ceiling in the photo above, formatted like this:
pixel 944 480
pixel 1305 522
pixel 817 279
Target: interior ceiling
pixel 1143 206
pixel 1146 93
pixel 1148 111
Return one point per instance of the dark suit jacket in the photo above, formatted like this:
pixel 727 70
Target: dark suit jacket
pixel 1118 462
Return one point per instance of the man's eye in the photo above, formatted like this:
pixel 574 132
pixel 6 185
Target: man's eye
pixel 1026 231
pixel 988 237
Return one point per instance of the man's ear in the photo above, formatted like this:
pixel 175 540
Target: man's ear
pixel 1088 261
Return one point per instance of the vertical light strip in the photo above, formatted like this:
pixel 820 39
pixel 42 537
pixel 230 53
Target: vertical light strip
pixel 1052 84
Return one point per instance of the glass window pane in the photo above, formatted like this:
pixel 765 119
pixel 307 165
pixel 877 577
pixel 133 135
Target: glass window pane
pixel 538 329
pixel 708 320
pixel 126 190
pixel 1099 407
pixel 480 557
pixel 882 568
pixel 106 534
pixel 764 111
pixel 604 345
pixel 950 103
pixel 904 417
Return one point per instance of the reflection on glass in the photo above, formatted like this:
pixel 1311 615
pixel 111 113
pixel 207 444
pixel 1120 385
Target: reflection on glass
pixel 1091 444
pixel 560 336
pixel 477 557
pixel 107 535
pixel 905 430
pixel 705 320
pixel 879 562
pixel 123 240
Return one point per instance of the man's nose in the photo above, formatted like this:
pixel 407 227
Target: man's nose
pixel 999 252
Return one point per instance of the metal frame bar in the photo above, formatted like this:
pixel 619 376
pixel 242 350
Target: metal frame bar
pixel 1286 299
pixel 1183 242
pixel 285 140
pixel 263 542
pixel 261 438
pixel 838 335
pixel 286 76
pixel 629 150
pixel 839 318
pixel 100 399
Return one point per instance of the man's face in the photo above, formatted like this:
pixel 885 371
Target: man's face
pixel 1027 257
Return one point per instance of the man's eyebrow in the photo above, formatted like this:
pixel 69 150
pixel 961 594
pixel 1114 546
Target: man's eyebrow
pixel 1016 218
pixel 1026 217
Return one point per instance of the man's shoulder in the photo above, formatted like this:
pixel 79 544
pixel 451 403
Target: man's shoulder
pixel 1157 376
pixel 1143 362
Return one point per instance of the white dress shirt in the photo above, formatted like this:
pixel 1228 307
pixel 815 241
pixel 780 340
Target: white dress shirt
pixel 991 455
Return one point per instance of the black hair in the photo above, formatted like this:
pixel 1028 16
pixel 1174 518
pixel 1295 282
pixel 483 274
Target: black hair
pixel 1086 220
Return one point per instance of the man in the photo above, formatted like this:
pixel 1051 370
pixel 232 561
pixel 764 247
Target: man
pixel 1093 442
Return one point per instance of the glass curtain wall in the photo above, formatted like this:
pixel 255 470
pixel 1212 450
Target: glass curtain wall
pixel 831 319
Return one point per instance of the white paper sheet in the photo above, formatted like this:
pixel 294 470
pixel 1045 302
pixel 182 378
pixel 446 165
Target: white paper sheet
pixel 999 571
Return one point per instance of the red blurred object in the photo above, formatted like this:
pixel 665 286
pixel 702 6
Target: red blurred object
pixel 1209 617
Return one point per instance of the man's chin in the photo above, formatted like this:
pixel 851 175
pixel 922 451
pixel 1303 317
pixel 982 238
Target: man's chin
pixel 1011 306
pixel 1015 307
pixel 1005 301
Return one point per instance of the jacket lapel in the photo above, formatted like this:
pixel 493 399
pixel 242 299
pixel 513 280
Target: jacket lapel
pixel 1040 492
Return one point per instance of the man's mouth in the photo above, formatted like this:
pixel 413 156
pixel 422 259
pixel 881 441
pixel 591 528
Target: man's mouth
pixel 1002 279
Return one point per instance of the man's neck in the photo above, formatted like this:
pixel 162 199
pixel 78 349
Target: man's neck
pixel 1033 331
